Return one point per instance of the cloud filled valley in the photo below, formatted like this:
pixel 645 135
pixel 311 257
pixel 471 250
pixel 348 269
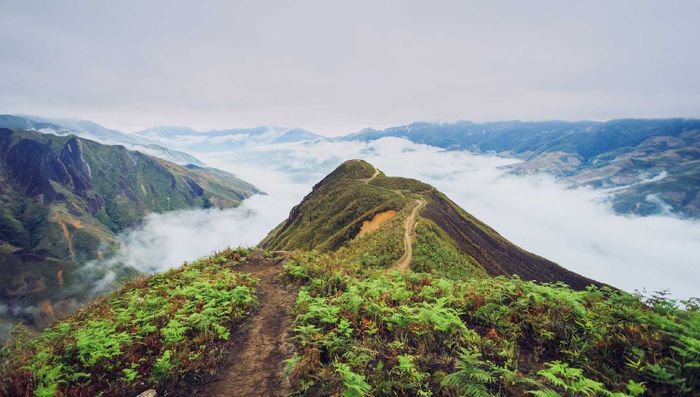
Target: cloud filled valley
pixel 573 227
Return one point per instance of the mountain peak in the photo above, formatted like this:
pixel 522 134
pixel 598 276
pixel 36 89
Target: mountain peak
pixel 408 218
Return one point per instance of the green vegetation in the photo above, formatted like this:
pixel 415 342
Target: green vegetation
pixel 65 199
pixel 155 331
pixel 365 331
pixel 444 327
pixel 434 252
pixel 449 241
pixel 320 223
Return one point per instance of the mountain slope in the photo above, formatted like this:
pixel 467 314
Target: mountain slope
pixel 333 214
pixel 64 199
pixel 615 154
pixel 107 184
pixel 352 321
pixel 93 131
pixel 187 138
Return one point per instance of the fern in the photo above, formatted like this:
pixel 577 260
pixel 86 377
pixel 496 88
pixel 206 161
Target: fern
pixel 174 332
pixel 471 378
pixel 571 380
pixel 355 385
pixel 148 329
pixel 163 365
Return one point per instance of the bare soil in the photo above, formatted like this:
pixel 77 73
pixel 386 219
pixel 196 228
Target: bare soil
pixel 257 359
pixel 409 228
pixel 374 175
pixel 372 225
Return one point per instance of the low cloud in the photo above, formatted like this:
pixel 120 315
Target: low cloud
pixel 168 240
pixel 574 227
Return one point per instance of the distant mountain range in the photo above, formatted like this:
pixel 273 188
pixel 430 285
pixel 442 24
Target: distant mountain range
pixel 645 166
pixel 89 130
pixel 217 140
pixel 64 199
pixel 648 166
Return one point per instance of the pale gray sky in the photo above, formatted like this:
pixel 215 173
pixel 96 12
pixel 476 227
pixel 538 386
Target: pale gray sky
pixel 336 67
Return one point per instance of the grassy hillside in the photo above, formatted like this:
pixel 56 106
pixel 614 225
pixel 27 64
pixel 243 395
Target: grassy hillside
pixel 332 214
pixel 320 223
pixel 164 330
pixel 361 325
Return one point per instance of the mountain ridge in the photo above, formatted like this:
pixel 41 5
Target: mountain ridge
pixel 64 200
pixel 661 154
pixel 93 131
pixel 342 315
pixel 331 216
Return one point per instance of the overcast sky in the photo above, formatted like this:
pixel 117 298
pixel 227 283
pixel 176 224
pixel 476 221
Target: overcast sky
pixel 336 67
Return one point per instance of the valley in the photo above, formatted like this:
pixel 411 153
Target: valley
pixel 349 199
pixel 651 164
pixel 65 200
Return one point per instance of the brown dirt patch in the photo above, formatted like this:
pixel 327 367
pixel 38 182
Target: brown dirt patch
pixel 372 225
pixel 68 238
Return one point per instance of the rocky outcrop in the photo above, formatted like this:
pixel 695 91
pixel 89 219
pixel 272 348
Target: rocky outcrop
pixel 34 166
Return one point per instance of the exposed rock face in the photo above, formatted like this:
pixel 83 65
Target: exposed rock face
pixel 196 189
pixel 33 166
pixel 63 200
pixel 81 178
pixel 37 168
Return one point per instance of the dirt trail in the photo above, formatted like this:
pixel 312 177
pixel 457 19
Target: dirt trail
pixel 256 363
pixel 409 227
pixel 376 174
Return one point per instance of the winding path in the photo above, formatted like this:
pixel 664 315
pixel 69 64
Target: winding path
pixel 263 342
pixel 374 175
pixel 409 228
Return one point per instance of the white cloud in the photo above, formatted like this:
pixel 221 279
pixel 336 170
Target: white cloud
pixel 167 240
pixel 574 227
pixel 230 138
pixel 338 67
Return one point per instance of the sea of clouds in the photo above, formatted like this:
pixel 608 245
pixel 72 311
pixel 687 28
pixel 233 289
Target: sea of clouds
pixel 573 227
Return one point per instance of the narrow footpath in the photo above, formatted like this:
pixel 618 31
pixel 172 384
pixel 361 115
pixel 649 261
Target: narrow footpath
pixel 409 231
pixel 257 361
